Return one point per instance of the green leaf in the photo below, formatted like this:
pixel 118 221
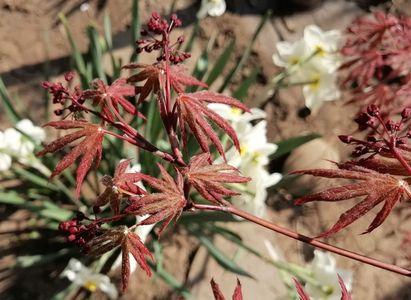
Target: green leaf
pixel 41 259
pixel 205 217
pixel 108 36
pixel 34 179
pixel 76 54
pixel 63 294
pixel 193 36
pixel 201 65
pixel 246 53
pixel 286 146
pixel 242 90
pixel 135 28
pixel 221 62
pixel 232 236
pixel 11 112
pixel 46 210
pixel 96 53
pixel 171 280
pixel 222 259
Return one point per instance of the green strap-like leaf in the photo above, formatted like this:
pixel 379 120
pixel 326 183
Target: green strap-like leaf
pixel 222 259
pixel 96 53
pixel 242 90
pixel 290 144
pixel 11 112
pixel 135 28
pixel 221 62
pixel 76 54
pixel 246 53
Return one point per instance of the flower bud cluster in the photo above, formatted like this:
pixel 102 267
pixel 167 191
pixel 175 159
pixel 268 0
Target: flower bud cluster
pixel 61 94
pixel 160 26
pixel 384 134
pixel 78 233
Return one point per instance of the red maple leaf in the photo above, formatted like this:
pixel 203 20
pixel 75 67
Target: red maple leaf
pixel 345 295
pixel 122 184
pixel 109 97
pixel 208 179
pixel 155 76
pixel 302 294
pixel 129 242
pixel 218 295
pixel 166 204
pixel 193 112
pixel 133 244
pixel 90 147
pixel 374 186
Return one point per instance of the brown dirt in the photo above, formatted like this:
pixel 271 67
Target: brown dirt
pixel 30 33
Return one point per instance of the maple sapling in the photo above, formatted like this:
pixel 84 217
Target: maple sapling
pixel 184 175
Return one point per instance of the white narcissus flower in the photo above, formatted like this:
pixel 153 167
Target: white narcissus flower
pixel 290 53
pixel 253 157
pixel 213 8
pixel 5 159
pixel 324 270
pixel 253 198
pixel 18 143
pixel 315 60
pixel 322 87
pixel 235 115
pixel 323 41
pixel 254 148
pixel 84 277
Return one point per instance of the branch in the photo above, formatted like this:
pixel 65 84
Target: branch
pixel 305 239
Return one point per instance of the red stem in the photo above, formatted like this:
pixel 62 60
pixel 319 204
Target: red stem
pixel 305 239
pixel 398 155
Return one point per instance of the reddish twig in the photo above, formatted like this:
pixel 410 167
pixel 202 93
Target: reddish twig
pixel 305 239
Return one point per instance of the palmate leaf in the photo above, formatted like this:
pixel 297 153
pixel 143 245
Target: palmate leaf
pixel 193 111
pixel 110 97
pixel 154 75
pixel 166 204
pixel 119 186
pixel 374 186
pixel 345 295
pixel 90 148
pixel 208 179
pixel 129 243
pixel 302 294
pixel 218 295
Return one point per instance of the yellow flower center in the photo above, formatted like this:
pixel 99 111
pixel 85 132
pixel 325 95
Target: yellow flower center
pixel 90 285
pixel 320 50
pixel 243 150
pixel 295 61
pixel 235 111
pixel 315 82
pixel 256 157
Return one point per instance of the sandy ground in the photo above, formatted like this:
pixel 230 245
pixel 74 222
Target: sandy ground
pixel 30 33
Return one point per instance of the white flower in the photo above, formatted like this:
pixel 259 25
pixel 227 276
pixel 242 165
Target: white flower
pixel 235 115
pixel 82 276
pixel 19 144
pixel 213 8
pixel 251 161
pixel 35 132
pixel 318 40
pixel 324 269
pixel 5 159
pixel 322 87
pixel 290 54
pixel 253 198
pixel 254 148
